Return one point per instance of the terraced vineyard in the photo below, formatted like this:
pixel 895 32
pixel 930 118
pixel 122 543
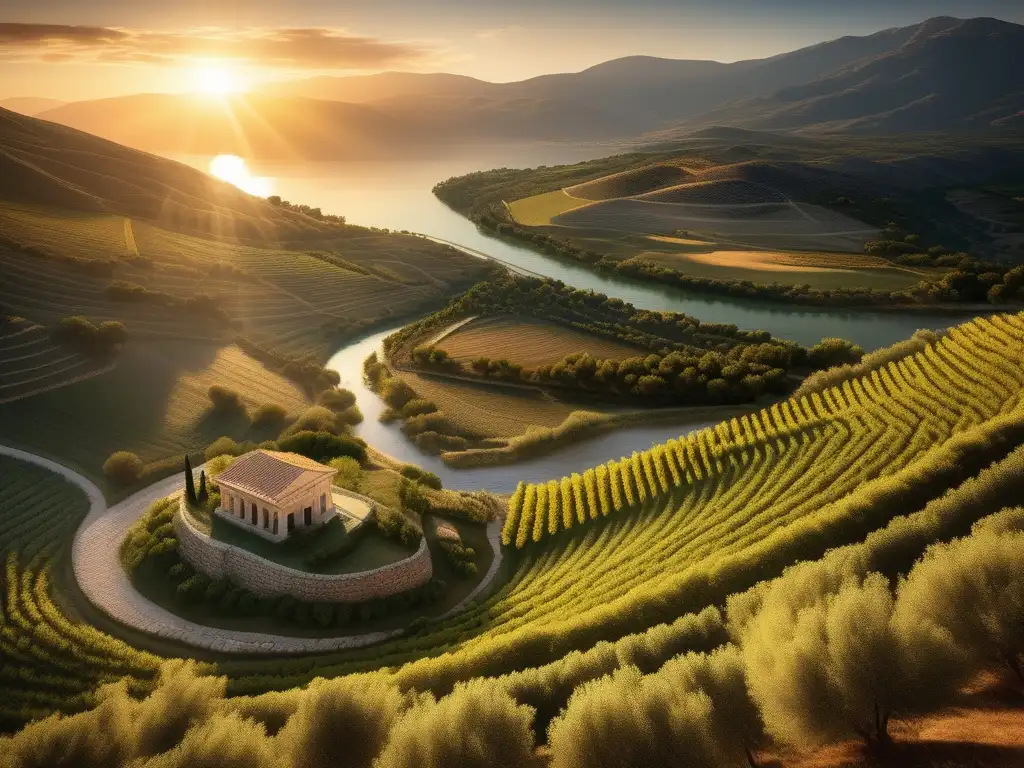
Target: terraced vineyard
pixel 153 403
pixel 747 499
pixel 48 662
pixel 801 455
pixel 31 362
pixel 82 235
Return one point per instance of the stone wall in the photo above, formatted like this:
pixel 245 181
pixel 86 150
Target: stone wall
pixel 264 578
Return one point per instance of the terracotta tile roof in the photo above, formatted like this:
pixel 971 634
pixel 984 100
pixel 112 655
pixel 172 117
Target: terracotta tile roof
pixel 271 475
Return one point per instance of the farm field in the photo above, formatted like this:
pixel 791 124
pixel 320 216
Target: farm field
pixel 153 403
pixel 629 183
pixel 82 235
pixel 540 210
pixel 819 270
pixel 528 341
pixel 705 255
pixel 802 225
pixel 30 361
pixel 488 410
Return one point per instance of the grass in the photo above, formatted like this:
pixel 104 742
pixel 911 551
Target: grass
pixel 539 210
pixel 528 341
pixel 489 410
pixel 374 550
pixel 31 362
pixel 154 403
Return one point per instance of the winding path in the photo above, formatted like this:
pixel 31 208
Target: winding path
pixel 97 568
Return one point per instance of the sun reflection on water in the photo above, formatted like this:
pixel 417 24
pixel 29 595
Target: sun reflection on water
pixel 234 170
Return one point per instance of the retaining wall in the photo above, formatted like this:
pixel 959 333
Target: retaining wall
pixel 264 578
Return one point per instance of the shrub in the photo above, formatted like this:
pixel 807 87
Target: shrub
pixel 829 352
pixel 123 468
pixel 222 446
pixel 396 392
pixel 349 474
pixel 80 334
pixel 429 479
pixel 323 446
pixel 417 407
pixel 225 399
pixel 972 590
pixel 627 719
pixel 478 725
pixel 395 525
pixel 363 709
pixel 269 415
pixel 111 332
pixel 336 399
pixel 824 666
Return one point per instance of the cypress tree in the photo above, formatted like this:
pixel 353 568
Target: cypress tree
pixel 203 495
pixel 190 483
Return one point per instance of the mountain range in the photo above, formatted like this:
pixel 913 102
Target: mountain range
pixel 944 74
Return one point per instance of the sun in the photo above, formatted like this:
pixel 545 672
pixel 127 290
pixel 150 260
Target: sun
pixel 234 170
pixel 214 79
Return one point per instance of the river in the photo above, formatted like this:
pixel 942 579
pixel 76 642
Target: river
pixel 398 196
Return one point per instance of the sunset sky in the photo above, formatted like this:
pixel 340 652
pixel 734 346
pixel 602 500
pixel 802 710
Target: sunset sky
pixel 70 49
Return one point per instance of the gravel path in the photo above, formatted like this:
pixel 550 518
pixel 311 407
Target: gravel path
pixel 99 573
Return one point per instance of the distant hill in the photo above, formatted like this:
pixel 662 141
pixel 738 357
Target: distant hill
pixel 292 128
pixel 950 75
pixel 48 164
pixel 943 74
pixel 29 105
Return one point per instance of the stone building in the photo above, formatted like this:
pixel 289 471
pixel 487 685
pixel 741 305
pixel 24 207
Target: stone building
pixel 274 494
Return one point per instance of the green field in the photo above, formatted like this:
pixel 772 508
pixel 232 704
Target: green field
pixel 153 403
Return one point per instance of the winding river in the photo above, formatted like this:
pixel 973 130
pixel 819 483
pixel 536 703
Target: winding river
pixel 398 196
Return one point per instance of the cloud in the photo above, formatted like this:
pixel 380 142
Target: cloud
pixel 490 34
pixel 297 48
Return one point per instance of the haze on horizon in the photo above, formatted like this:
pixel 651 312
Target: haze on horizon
pixel 67 50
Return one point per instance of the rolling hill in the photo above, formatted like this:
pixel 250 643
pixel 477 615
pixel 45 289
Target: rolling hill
pixel 942 74
pixel 48 164
pixel 30 105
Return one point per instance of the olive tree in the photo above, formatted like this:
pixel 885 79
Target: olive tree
pixel 735 725
pixel 971 591
pixel 628 719
pixel 478 725
pixel 840 664
pixel 340 723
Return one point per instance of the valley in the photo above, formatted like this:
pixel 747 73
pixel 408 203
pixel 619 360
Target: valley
pixel 390 397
